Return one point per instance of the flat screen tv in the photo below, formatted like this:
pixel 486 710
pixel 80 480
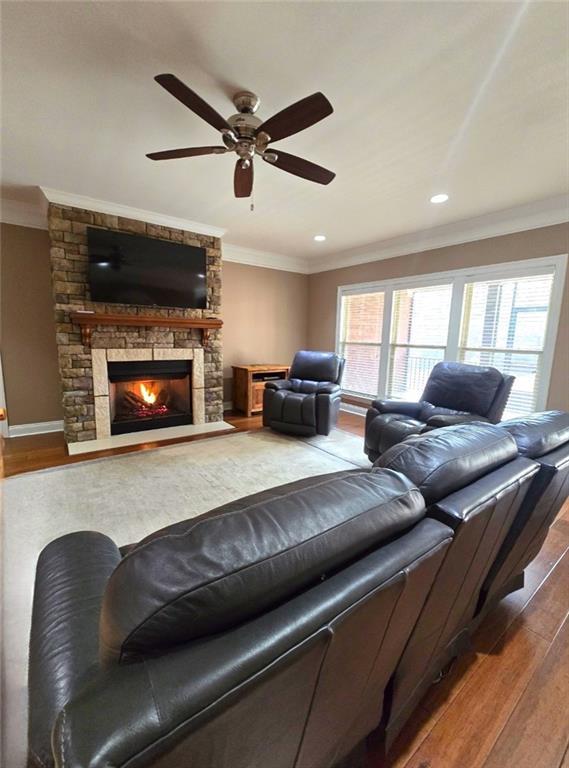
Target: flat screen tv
pixel 132 269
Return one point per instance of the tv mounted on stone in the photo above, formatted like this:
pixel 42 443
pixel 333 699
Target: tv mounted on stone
pixel 132 269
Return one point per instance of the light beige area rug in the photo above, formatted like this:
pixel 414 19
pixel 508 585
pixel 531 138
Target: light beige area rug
pixel 127 497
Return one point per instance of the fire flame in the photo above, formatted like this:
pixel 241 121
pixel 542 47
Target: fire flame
pixel 147 395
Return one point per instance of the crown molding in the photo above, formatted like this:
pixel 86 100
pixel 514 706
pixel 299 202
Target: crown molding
pixel 543 213
pixel 22 214
pixel 253 258
pixel 58 197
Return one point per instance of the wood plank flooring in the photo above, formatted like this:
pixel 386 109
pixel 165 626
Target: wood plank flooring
pixel 505 704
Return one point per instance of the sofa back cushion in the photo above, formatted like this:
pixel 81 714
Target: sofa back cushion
pixel 213 572
pixel 446 460
pixel 539 433
pixel 316 366
pixel 463 387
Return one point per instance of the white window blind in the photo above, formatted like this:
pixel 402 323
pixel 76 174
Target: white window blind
pixel 360 341
pixel 504 323
pixel 392 333
pixel 419 333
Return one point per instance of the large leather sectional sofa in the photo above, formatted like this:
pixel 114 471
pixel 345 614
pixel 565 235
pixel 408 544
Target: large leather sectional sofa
pixel 279 630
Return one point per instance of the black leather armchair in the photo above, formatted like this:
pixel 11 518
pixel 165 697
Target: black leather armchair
pixel 307 403
pixel 455 393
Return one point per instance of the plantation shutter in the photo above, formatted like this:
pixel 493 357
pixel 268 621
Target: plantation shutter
pixel 419 334
pixel 503 325
pixel 360 341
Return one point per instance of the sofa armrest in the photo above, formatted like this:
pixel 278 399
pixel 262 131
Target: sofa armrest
pixel 71 576
pixel 448 419
pixel 278 384
pixel 329 388
pixel 398 406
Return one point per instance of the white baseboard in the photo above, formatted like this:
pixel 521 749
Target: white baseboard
pixel 353 409
pixel 39 428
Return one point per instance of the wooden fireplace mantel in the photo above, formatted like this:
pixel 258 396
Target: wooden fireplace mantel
pixel 89 320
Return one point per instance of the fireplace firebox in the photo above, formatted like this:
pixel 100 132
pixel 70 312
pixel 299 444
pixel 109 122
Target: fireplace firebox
pixel 149 394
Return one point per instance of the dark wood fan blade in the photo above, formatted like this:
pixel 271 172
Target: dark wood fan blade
pixel 171 154
pixel 243 179
pixel 303 168
pixel 191 100
pixel 297 117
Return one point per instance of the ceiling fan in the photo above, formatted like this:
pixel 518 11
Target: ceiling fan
pixel 247 135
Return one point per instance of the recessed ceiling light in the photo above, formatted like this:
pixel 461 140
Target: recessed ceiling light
pixel 442 198
pixel 320 238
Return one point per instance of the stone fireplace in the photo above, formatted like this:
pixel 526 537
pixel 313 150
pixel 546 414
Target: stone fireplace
pixel 119 379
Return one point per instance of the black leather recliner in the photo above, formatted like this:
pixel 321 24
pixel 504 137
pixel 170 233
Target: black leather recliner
pixel 474 481
pixel 500 522
pixel 308 402
pixel 543 437
pixel 455 393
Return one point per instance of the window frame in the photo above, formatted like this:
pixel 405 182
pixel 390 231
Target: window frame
pixel 380 344
pixel 557 265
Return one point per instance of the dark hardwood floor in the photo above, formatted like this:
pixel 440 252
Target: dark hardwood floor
pixel 504 704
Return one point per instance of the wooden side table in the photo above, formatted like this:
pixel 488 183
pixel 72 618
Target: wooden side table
pixel 249 384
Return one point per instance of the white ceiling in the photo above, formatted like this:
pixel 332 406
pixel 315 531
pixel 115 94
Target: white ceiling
pixel 463 97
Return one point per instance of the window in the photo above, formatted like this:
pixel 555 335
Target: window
pixel 360 340
pixel 419 332
pixel 393 333
pixel 503 325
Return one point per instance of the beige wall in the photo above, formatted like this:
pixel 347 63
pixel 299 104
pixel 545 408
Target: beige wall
pixel 548 241
pixel 265 316
pixel 29 355
pixel 268 314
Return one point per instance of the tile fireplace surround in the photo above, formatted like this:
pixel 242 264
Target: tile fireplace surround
pixel 83 364
pixel 101 379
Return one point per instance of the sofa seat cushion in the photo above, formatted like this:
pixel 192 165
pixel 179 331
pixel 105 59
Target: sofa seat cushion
pixel 219 570
pixel 463 387
pixel 539 433
pixel 445 460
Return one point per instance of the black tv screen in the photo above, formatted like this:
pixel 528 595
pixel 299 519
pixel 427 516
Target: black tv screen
pixel 132 269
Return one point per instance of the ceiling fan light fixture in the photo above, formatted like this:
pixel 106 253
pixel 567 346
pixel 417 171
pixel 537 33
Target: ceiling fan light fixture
pixel 440 198
pixel 247 135
pixel 320 238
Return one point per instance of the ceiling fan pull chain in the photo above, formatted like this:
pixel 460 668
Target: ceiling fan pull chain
pixel 252 206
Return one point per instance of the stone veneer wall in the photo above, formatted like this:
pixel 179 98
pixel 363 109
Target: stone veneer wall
pixel 69 263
